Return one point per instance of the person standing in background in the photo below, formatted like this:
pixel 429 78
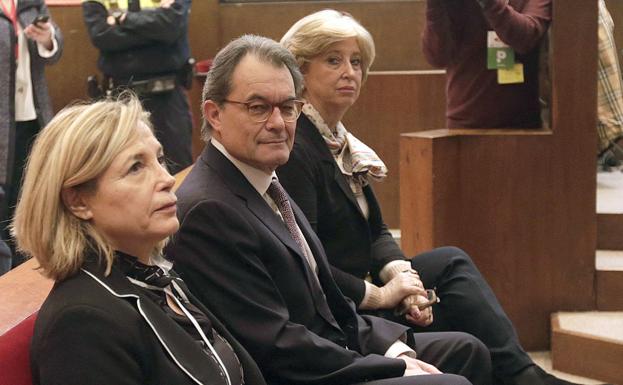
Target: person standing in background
pixel 609 93
pixel 29 40
pixel 490 50
pixel 6 256
pixel 144 46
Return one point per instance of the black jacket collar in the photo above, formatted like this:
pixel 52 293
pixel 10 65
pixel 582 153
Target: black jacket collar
pixel 184 351
pixel 306 128
pixel 240 186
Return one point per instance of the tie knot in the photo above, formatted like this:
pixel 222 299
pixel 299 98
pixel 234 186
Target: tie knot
pixel 276 192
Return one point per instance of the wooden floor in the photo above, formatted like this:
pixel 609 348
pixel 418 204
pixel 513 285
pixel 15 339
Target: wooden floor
pixel 544 360
pixel 610 192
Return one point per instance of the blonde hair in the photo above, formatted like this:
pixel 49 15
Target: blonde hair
pixel 71 152
pixel 313 34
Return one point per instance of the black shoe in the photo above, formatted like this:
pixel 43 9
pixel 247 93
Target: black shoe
pixel 608 160
pixel 534 375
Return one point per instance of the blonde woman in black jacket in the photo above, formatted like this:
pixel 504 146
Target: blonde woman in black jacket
pixel 96 210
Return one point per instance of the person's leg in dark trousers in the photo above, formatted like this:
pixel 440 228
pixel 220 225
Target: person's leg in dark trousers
pixel 5 253
pixel 5 257
pixel 468 304
pixel 25 133
pixel 433 379
pixel 170 116
pixel 462 359
pixel 455 352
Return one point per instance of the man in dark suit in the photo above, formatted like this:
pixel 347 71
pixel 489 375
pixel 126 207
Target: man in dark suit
pixel 248 252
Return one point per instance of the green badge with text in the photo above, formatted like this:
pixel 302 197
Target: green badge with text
pixel 499 54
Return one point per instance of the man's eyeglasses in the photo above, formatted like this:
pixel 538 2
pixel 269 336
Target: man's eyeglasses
pixel 260 111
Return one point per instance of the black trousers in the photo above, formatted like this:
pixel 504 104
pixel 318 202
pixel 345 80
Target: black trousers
pixel 458 353
pixel 170 116
pixel 25 133
pixel 469 305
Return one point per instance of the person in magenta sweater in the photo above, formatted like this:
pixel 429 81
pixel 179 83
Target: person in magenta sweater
pixel 456 37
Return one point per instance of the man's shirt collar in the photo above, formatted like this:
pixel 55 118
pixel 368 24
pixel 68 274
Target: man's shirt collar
pixel 258 178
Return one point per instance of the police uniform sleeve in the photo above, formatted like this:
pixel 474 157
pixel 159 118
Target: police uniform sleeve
pixel 108 38
pixel 161 24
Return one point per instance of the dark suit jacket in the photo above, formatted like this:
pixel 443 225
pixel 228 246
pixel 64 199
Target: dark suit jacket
pixel 355 246
pixel 237 256
pixel 96 329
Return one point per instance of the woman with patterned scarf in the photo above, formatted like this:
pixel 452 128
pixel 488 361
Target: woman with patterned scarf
pixel 329 175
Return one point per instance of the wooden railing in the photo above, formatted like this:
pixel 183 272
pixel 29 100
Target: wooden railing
pixel 520 202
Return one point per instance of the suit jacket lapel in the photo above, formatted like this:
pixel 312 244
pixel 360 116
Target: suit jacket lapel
pixel 183 350
pixel 241 187
pixel 325 279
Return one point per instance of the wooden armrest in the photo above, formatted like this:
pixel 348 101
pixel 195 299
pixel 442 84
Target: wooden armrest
pixel 22 290
pixel 63 3
pixel 450 132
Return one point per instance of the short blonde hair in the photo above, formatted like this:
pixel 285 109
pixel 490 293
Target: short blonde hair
pixel 313 34
pixel 72 151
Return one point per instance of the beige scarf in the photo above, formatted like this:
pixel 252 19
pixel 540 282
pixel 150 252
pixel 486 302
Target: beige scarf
pixel 355 159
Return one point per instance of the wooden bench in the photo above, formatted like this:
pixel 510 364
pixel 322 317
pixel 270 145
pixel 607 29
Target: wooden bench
pixel 22 290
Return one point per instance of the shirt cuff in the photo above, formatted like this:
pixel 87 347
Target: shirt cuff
pixel 390 270
pixel 399 348
pixel 44 52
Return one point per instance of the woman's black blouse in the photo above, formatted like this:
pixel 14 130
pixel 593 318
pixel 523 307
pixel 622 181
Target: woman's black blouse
pixel 156 277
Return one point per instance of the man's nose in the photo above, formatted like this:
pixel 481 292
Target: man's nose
pixel 275 120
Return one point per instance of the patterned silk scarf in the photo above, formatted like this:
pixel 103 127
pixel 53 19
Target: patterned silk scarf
pixel 355 159
pixel 151 275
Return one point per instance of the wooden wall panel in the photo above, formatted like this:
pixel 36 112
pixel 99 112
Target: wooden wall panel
pixel 396 26
pixel 392 103
pixel 205 41
pixel 67 78
pixel 521 203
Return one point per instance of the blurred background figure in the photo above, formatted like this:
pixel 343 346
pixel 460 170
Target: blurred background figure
pixel 29 40
pixel 5 251
pixel 490 50
pixel 144 46
pixel 609 94
pixel 5 256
